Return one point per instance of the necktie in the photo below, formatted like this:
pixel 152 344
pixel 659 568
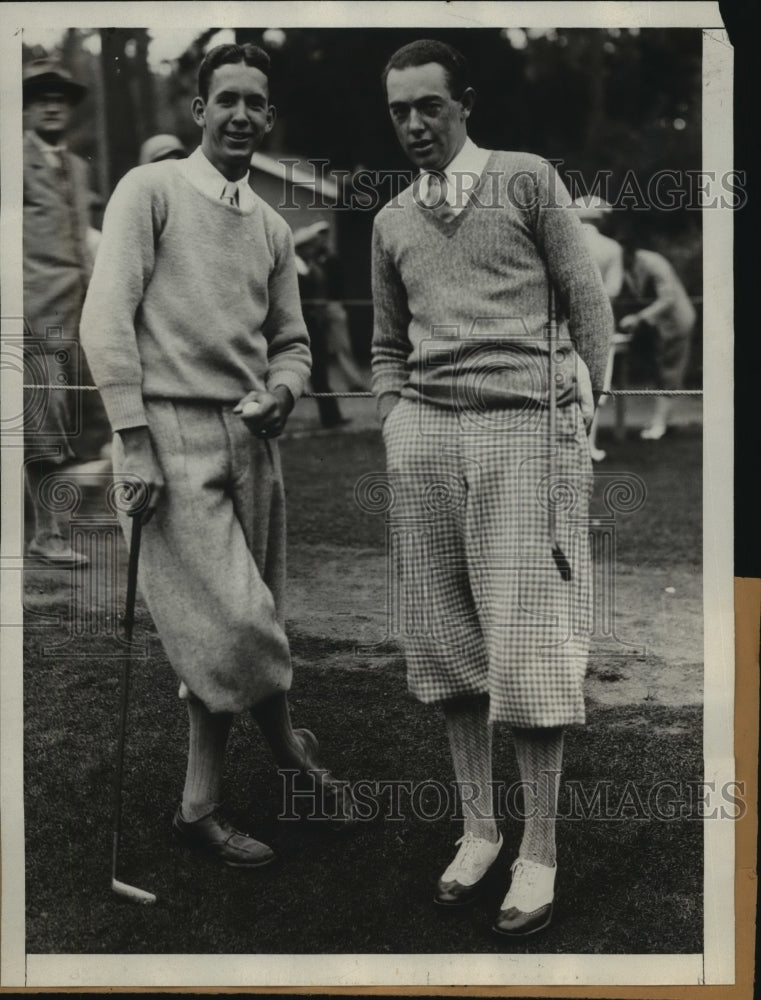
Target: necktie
pixel 435 197
pixel 57 160
pixel 230 193
pixel 435 192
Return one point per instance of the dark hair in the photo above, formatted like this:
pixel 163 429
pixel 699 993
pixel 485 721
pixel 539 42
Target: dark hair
pixel 220 55
pixel 427 50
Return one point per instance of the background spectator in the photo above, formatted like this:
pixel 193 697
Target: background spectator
pixel 57 266
pixel 666 316
pixel 313 286
pixel 162 147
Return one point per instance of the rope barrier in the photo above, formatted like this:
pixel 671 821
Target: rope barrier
pixel 652 392
pixel 370 395
pixel 620 301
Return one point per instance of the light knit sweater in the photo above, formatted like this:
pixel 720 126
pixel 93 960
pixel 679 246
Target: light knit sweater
pixel 190 298
pixel 461 305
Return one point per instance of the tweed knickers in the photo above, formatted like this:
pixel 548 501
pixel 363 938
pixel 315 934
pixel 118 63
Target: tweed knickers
pixel 479 600
pixel 212 562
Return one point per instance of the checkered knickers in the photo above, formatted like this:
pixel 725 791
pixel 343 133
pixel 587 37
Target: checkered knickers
pixel 475 597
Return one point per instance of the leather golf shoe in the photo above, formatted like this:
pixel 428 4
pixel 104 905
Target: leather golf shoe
pixel 214 835
pixel 315 792
pixel 465 878
pixel 527 907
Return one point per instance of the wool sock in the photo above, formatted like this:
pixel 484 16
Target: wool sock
pixel 540 759
pixel 274 719
pixel 206 755
pixel 470 742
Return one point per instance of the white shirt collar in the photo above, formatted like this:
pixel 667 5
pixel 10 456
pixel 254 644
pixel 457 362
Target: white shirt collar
pixel 53 154
pixel 471 159
pixel 468 165
pixel 202 173
pixel 46 146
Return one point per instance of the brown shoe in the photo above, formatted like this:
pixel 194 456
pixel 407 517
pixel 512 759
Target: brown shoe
pixel 56 551
pixel 214 835
pixel 313 785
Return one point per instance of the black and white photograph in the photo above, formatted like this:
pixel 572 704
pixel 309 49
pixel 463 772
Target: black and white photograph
pixel 367 608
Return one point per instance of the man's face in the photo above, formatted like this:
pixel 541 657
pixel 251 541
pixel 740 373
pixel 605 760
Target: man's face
pixel 48 114
pixel 430 124
pixel 235 118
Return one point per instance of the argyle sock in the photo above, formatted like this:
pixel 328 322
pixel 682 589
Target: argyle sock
pixel 206 754
pixel 470 734
pixel 540 759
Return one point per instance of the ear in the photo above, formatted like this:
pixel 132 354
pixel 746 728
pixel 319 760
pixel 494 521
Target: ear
pixel 198 109
pixel 467 101
pixel 271 118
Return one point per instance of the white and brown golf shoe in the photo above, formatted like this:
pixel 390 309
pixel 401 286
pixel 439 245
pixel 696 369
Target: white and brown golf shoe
pixel 465 878
pixel 527 907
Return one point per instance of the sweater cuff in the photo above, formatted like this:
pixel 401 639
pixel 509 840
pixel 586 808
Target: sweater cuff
pixel 389 381
pixel 291 380
pixel 124 405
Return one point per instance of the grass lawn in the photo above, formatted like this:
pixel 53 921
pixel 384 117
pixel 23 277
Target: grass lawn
pixel 626 884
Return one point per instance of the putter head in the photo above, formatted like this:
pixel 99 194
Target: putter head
pixel 131 893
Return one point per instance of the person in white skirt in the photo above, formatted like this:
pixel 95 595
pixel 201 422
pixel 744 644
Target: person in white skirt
pixel 193 328
pixel 609 257
pixel 494 627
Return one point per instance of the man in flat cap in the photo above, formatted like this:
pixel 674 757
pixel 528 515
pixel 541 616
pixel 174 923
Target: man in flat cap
pixel 57 265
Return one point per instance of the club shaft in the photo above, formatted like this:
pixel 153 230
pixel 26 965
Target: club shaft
pixel 118 777
pixel 552 406
pixel 129 621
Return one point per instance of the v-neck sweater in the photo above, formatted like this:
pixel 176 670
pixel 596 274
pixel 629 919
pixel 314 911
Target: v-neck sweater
pixel 191 299
pixel 461 302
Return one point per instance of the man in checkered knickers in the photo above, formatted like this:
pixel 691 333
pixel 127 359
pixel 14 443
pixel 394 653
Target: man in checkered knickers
pixel 484 423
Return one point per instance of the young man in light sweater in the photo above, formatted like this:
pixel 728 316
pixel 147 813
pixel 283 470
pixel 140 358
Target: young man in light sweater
pixel 463 263
pixel 193 328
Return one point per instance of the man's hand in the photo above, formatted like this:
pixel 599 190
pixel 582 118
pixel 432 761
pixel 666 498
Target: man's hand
pixel 588 399
pixel 386 404
pixel 142 468
pixel 629 323
pixel 265 413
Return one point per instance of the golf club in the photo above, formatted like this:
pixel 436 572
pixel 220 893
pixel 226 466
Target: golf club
pixel 129 892
pixel 564 567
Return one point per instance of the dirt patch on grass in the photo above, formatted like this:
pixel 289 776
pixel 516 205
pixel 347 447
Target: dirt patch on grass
pixel 652 652
pixel 337 607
